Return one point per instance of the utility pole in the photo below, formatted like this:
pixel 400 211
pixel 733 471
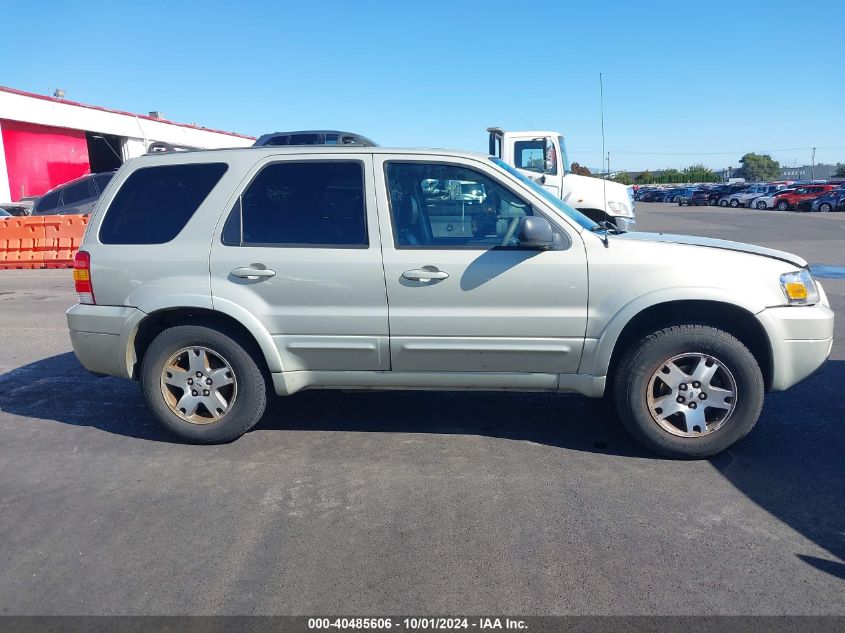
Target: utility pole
pixel 813 172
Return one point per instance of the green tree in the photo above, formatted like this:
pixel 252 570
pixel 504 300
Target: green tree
pixel 699 173
pixel 645 178
pixel 624 177
pixel 576 168
pixel 671 175
pixel 759 167
pixel 840 170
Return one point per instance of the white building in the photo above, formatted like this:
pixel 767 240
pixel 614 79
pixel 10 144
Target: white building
pixel 46 141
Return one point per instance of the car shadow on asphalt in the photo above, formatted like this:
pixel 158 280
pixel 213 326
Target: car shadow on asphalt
pixel 792 465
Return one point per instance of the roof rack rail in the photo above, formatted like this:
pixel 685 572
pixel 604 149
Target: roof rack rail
pixel 158 147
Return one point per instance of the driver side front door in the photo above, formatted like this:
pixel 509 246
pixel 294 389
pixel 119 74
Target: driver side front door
pixel 463 295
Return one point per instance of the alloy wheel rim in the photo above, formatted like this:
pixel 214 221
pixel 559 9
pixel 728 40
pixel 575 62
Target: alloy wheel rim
pixel 198 385
pixel 692 395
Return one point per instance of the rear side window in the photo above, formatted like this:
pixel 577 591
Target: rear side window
pixel 155 203
pixel 78 192
pixel 301 204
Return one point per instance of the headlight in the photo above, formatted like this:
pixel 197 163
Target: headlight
pixel 799 288
pixel 620 208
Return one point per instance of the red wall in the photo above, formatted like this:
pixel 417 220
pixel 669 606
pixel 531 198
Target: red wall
pixel 40 157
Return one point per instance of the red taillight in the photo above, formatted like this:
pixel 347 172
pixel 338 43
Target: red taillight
pixel 82 277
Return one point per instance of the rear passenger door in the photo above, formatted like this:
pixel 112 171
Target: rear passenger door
pixel 300 250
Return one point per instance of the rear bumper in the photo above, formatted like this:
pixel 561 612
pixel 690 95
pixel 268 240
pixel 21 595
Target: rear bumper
pixel 103 337
pixel 801 338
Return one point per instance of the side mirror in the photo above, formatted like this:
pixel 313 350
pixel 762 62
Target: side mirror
pixel 536 232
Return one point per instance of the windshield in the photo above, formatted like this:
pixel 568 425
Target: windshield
pixel 581 219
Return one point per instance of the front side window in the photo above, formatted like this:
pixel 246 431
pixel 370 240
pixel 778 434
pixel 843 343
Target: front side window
pixel 47 203
pixel 301 204
pixel 155 203
pixel 448 206
pixel 102 181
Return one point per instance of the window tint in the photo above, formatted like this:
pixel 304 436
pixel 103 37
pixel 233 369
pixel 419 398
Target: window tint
pixel 449 206
pixel 102 181
pixel 77 192
pixel 155 203
pixel 301 204
pixel 305 139
pixel 47 203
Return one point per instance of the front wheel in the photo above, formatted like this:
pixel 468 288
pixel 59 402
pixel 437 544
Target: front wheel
pixel 734 203
pixel 689 391
pixel 783 206
pixel 203 384
pixel 761 205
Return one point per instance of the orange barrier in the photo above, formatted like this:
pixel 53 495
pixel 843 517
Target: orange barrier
pixel 62 237
pixel 47 241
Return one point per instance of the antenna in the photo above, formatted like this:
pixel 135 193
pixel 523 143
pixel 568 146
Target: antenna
pixel 601 110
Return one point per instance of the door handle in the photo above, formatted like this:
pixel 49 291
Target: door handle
pixel 250 272
pixel 426 273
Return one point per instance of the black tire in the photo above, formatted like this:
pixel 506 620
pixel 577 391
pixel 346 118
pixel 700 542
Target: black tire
pixel 723 203
pixel 783 206
pixel 643 359
pixel 249 403
pixel 734 203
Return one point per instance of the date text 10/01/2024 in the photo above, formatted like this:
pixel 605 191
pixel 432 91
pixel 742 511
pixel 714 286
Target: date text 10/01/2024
pixel 417 623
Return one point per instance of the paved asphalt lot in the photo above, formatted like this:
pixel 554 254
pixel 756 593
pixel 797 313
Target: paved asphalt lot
pixel 407 502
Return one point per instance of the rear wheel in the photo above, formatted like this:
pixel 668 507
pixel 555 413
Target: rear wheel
pixel 761 205
pixel 203 384
pixel 689 391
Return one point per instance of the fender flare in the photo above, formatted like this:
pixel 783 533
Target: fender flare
pixel 605 344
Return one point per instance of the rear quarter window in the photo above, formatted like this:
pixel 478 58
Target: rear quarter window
pixel 155 203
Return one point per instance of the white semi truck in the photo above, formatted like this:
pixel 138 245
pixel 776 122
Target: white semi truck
pixel 542 157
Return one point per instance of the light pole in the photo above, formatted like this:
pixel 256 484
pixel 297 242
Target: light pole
pixel 813 168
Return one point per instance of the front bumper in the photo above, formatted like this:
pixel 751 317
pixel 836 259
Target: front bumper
pixel 801 338
pixel 103 337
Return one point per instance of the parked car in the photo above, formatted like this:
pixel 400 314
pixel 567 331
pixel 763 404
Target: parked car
pixel 334 269
pixel 770 201
pixel 698 197
pixel 75 197
pixel 744 198
pixel 824 203
pixel 791 200
pixel 723 191
pixel 21 207
pixel 314 137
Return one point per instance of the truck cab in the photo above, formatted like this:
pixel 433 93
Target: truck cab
pixel 542 156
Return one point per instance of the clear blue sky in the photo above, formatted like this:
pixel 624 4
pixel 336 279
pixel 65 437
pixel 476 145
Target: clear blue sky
pixel 684 81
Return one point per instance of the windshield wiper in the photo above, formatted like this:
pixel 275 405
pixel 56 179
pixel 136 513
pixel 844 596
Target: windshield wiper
pixel 606 227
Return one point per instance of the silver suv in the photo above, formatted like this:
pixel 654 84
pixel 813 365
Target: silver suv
pixel 217 277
